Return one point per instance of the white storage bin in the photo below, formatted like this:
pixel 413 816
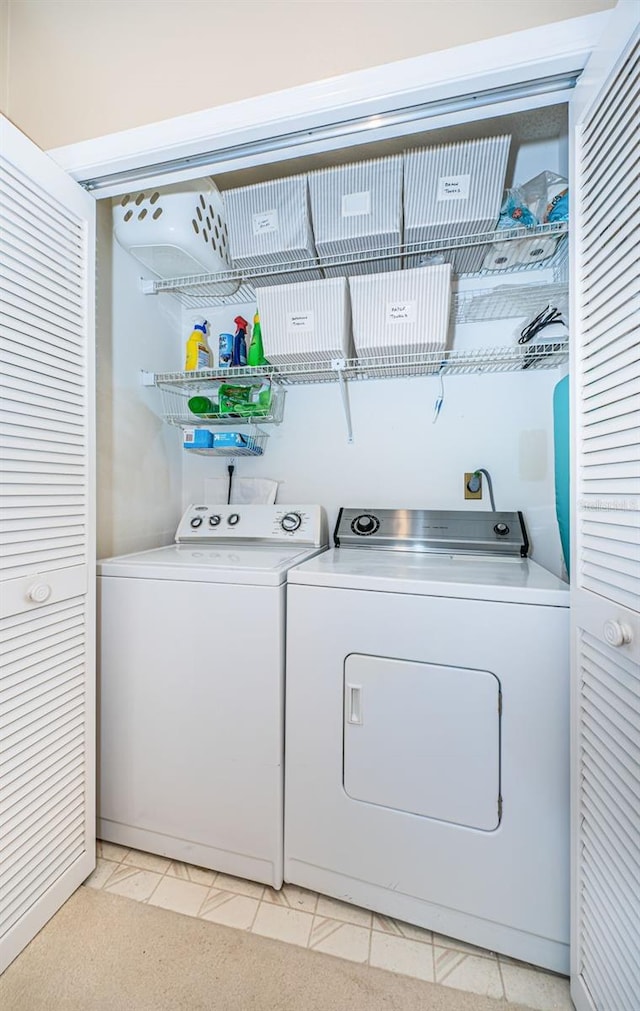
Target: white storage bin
pixel 176 231
pixel 306 322
pixel 401 313
pixel 355 208
pixel 455 190
pixel 270 226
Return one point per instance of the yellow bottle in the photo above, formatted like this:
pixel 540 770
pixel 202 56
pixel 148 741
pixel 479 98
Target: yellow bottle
pixel 198 355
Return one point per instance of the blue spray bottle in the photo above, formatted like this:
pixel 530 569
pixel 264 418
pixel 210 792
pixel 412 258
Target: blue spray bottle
pixel 240 342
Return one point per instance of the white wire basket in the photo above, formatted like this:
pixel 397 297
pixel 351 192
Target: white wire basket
pixel 177 394
pixel 176 230
pixel 251 441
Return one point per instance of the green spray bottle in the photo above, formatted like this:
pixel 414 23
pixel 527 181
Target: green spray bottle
pixel 256 351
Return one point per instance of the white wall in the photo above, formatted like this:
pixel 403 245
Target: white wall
pixel 138 458
pixel 399 458
pixel 84 69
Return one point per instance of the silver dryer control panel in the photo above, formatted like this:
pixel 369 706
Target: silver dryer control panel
pixel 433 530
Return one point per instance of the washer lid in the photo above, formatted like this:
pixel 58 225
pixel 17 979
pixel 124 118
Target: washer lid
pixel 509 580
pixel 256 565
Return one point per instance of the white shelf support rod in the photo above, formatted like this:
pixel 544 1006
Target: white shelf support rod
pixel 339 365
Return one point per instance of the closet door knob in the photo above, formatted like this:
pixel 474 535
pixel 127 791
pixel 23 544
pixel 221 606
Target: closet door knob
pixel 616 634
pixel 39 592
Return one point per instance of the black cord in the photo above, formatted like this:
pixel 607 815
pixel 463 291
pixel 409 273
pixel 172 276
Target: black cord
pixel 230 469
pixel 545 318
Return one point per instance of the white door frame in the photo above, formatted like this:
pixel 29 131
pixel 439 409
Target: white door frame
pixel 442 88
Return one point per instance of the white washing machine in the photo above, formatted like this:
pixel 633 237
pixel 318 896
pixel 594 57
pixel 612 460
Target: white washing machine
pixel 427 728
pixel 191 688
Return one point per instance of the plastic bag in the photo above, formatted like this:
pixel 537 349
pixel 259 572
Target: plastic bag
pixel 514 212
pixel 543 198
pixel 547 197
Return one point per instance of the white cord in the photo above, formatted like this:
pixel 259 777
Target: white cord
pixel 437 407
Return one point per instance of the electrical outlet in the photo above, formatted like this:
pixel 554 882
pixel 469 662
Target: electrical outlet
pixel 472 494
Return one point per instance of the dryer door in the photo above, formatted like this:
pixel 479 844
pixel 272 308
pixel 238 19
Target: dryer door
pixel 423 738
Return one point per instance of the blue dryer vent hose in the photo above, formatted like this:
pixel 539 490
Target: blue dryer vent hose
pixel 561 463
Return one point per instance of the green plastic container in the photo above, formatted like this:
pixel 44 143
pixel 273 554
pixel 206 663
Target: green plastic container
pixel 203 407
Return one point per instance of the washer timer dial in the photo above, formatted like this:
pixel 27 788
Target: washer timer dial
pixel 291 522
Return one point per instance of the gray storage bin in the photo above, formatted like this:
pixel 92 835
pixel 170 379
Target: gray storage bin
pixel 356 208
pixel 306 323
pixel 270 226
pixel 404 313
pixel 454 190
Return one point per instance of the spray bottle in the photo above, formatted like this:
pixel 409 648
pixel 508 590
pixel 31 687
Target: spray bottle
pixel 256 350
pixel 198 352
pixel 240 342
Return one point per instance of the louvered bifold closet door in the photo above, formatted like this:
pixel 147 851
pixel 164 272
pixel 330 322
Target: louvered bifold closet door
pixel 606 569
pixel 47 600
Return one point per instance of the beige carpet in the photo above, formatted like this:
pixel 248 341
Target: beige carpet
pixel 102 952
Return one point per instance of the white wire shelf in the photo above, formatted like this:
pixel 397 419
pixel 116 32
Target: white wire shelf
pixel 250 442
pixel 196 290
pixel 506 358
pixel 508 301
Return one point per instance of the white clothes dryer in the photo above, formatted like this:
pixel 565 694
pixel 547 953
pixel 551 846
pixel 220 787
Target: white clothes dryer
pixel 191 688
pixel 427 728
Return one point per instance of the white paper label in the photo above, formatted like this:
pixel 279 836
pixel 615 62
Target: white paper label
pixel 453 187
pixel 401 312
pixel 300 322
pixel 265 222
pixel 354 204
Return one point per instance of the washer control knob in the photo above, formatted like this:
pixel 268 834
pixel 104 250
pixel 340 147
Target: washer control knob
pixel 616 633
pixel 196 522
pixel 365 524
pixel 291 522
pixel 39 592
pixel 233 518
pixel 501 529
pixel 214 520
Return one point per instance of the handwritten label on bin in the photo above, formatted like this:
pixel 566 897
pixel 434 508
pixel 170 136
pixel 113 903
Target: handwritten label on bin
pixel 401 312
pixel 265 223
pixel 300 322
pixel 354 204
pixel 453 187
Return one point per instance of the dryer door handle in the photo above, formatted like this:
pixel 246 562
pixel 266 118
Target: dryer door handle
pixel 354 703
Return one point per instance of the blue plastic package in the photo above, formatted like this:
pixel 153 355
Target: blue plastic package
pixel 197 438
pixel 514 213
pixel 559 208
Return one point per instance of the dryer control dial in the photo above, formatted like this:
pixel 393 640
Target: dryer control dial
pixel 291 522
pixel 501 529
pixel 365 524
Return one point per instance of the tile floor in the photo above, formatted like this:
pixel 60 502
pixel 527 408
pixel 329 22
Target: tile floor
pixel 301 917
